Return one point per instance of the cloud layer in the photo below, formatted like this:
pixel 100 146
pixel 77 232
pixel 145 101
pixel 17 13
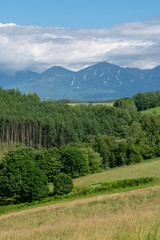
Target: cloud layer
pixel 36 48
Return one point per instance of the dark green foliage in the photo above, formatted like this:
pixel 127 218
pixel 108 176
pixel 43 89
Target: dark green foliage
pixel 126 151
pixel 25 119
pixel 63 184
pixel 95 137
pixel 74 162
pixel 103 144
pixel 49 162
pixel 128 106
pixel 125 103
pixel 147 100
pixel 20 178
pixel 94 159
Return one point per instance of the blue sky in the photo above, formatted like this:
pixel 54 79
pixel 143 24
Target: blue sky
pixel 77 14
pixel 38 34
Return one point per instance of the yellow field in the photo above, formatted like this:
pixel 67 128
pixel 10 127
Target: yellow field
pixel 93 104
pixel 133 215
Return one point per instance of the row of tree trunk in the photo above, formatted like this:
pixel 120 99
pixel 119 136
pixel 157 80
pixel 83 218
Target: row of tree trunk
pixel 29 133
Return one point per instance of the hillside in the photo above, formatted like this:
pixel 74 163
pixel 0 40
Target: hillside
pixel 111 217
pixel 152 110
pixel 100 81
pixel 56 140
pixel 149 168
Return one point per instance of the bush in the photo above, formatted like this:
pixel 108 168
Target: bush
pixel 110 186
pixel 74 162
pixel 63 184
pixel 20 178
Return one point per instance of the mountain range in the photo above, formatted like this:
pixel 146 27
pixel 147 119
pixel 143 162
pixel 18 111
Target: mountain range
pixel 100 81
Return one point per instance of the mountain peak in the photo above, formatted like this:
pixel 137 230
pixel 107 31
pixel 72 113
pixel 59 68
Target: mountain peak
pixel 105 64
pixel 156 68
pixel 56 70
pixel 100 81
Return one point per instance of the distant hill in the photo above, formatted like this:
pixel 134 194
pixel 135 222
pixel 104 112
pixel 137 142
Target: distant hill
pixel 100 81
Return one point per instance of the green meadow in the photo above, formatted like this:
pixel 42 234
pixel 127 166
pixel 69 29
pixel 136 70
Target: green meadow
pixel 133 215
pixel 151 110
pixel 149 168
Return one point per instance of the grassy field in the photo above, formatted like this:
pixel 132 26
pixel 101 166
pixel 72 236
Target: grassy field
pixel 93 104
pixel 125 216
pixel 151 110
pixel 149 168
pixel 131 215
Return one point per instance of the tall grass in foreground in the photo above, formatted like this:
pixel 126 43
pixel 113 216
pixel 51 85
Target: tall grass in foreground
pixel 134 216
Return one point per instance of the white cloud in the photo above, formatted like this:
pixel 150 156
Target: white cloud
pixel 7 25
pixel 36 48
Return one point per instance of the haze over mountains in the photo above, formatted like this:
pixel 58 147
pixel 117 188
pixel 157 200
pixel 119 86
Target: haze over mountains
pixel 100 81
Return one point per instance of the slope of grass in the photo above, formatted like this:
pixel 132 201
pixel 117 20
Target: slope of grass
pixel 149 168
pixel 126 216
pixel 151 110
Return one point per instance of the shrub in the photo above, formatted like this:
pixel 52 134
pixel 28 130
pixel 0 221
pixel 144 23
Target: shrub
pixel 63 184
pixel 20 178
pixel 109 186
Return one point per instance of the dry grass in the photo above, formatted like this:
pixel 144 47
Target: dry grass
pixel 145 169
pixel 108 104
pixel 127 216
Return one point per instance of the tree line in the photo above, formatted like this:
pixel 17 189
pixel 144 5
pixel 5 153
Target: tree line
pixel 144 101
pixel 27 120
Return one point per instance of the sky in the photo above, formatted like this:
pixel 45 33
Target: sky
pixel 38 34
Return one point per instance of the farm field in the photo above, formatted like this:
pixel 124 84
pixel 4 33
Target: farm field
pixel 109 104
pixel 122 216
pixel 149 168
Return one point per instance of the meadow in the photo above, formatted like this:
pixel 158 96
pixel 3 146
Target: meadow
pixel 151 110
pixel 133 215
pixel 150 168
pixel 120 215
